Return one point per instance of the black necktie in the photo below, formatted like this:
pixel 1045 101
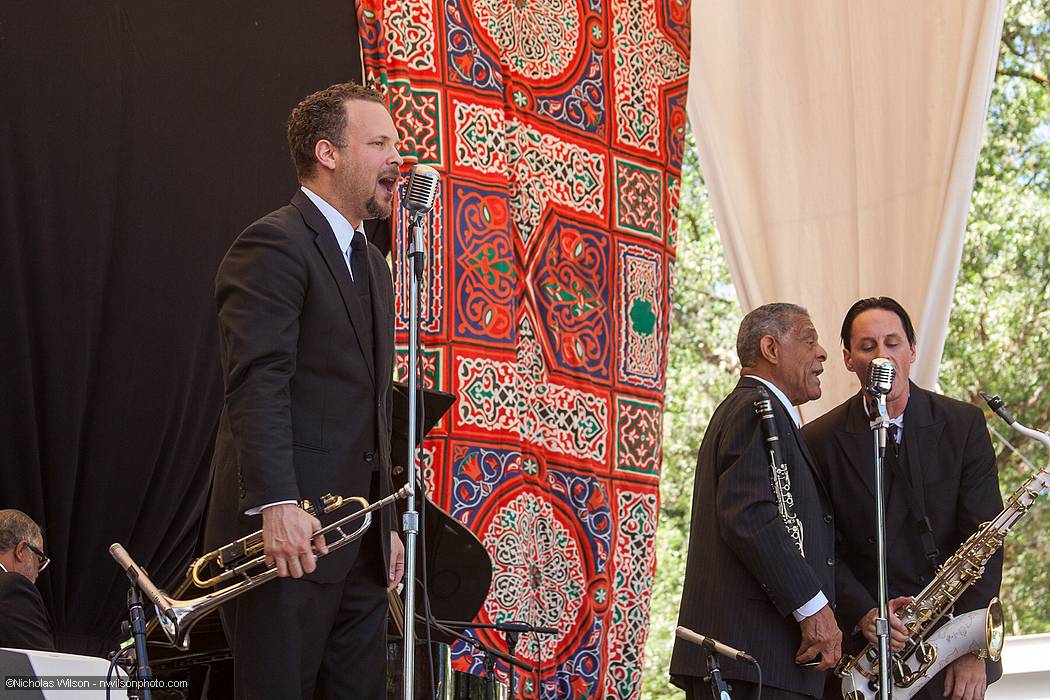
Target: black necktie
pixel 359 260
pixel 359 266
pixel 891 437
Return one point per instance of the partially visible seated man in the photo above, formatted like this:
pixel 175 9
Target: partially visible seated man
pixel 24 623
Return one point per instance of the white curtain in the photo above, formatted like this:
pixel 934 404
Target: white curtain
pixel 838 141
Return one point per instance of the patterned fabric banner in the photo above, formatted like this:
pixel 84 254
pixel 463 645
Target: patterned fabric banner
pixel 558 128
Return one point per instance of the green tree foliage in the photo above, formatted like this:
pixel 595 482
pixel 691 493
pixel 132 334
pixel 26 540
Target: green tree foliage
pixel 998 334
pixel 1000 324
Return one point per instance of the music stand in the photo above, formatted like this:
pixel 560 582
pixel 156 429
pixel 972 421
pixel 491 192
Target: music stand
pixel 435 405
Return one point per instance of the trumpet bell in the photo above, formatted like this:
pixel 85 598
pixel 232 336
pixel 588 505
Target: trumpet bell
pixel 177 617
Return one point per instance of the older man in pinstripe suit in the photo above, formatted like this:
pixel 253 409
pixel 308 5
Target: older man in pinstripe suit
pixel 747 584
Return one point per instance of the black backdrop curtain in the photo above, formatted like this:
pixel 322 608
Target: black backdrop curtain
pixel 139 138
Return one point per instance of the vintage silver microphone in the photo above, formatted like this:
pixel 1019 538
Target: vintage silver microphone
pixel 880 376
pixel 421 190
pixel 418 199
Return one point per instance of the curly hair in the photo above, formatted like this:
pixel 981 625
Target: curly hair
pixel 322 115
pixel 770 319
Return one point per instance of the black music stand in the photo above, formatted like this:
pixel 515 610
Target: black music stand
pixel 435 405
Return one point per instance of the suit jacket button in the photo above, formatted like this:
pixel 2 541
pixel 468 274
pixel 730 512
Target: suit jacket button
pixel 831 561
pixel 828 518
pixel 369 456
pixel 871 540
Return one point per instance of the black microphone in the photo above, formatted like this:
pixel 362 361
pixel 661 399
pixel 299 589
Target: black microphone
pixel 999 406
pixel 880 376
pixel 421 190
pixel 713 645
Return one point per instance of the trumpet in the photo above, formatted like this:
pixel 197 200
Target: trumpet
pixel 242 559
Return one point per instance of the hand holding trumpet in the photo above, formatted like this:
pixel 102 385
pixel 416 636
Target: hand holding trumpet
pixel 287 542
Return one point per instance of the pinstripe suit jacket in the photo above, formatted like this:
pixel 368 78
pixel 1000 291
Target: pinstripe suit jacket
pixel 744 575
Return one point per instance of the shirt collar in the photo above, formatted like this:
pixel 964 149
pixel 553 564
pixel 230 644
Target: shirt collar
pixel 792 411
pixel 4 568
pixel 343 229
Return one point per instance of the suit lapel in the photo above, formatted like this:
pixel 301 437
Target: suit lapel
pixel 383 351
pixel 921 437
pixel 796 434
pixel 808 456
pixel 856 443
pixel 333 257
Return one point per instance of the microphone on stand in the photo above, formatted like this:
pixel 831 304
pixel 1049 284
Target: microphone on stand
pixel 418 199
pixel 421 190
pixel 713 645
pixel 880 376
pixel 880 381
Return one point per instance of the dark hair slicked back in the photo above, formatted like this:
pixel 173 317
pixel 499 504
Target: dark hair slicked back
pixel 885 303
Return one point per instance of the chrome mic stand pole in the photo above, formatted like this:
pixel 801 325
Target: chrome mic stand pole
pixel 410 520
pixel 882 623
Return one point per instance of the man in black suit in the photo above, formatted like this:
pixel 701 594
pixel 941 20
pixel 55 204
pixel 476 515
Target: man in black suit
pixel 941 484
pixel 306 329
pixel 24 623
pixel 746 583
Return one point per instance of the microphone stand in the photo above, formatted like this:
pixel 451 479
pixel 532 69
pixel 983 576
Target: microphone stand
pixel 491 655
pixel 410 520
pixel 512 630
pixel 719 688
pixel 882 623
pixel 136 625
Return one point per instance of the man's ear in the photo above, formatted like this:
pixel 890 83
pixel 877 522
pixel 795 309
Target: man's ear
pixel 324 152
pixel 769 348
pixel 847 359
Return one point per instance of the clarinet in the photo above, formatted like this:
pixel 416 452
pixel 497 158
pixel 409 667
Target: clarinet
pixel 778 469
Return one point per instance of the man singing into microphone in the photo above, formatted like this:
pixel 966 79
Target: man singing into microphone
pixel 306 309
pixel 746 582
pixel 941 483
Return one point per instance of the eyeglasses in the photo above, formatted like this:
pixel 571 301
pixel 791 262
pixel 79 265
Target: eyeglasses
pixel 41 557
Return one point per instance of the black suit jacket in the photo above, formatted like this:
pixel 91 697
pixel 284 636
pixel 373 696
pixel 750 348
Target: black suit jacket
pixel 946 442
pixel 308 381
pixel 24 623
pixel 744 575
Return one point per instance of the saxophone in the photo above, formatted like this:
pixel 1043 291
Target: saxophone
pixel 929 650
pixel 778 470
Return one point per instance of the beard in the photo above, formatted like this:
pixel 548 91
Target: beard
pixel 376 210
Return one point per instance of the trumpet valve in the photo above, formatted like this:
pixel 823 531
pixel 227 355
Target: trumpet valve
pixel 330 502
pixel 232 553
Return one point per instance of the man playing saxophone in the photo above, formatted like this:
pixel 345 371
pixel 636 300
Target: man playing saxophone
pixel 940 482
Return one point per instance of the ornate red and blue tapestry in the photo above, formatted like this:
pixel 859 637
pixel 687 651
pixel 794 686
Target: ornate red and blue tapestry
pixel 558 127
